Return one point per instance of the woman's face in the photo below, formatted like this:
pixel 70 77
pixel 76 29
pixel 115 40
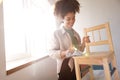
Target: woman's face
pixel 69 20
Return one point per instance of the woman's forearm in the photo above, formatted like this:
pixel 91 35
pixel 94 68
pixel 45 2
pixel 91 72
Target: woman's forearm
pixel 82 47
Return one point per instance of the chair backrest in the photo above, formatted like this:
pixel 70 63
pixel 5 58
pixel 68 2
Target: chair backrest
pixel 99 35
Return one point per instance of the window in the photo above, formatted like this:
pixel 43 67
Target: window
pixel 28 25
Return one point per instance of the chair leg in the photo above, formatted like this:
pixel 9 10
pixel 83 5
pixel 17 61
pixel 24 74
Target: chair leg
pixel 77 69
pixel 116 76
pixel 91 73
pixel 114 64
pixel 106 70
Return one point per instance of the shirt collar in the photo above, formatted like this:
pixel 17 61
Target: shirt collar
pixel 63 30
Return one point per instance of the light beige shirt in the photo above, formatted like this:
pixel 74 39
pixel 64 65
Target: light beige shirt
pixel 61 41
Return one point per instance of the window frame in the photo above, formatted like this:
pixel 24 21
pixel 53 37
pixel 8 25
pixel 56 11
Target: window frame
pixel 26 60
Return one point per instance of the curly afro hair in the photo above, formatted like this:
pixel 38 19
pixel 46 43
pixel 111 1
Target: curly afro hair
pixel 62 7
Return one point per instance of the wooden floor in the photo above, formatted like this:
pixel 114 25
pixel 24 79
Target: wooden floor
pixel 99 75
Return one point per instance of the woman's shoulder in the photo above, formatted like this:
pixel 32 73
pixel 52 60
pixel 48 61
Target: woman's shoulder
pixel 59 30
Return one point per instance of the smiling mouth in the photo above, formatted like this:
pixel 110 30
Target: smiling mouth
pixel 71 24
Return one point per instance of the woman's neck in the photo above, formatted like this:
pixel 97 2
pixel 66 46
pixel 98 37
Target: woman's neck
pixel 67 28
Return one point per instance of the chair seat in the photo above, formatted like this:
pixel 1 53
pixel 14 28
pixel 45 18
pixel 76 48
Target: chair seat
pixel 94 58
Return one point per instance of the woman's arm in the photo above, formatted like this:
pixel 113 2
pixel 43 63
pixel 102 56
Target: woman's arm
pixel 54 47
pixel 84 41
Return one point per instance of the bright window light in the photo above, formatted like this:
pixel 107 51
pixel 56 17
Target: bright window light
pixel 28 25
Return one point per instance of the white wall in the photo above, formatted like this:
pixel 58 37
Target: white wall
pixel 94 12
pixel 2 55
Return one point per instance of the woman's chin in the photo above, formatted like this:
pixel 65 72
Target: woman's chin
pixel 70 26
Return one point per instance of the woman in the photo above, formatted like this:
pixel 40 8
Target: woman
pixel 66 39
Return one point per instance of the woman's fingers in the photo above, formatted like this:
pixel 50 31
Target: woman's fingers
pixel 86 39
pixel 71 49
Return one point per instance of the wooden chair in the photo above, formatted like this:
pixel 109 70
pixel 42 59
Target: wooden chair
pixel 99 35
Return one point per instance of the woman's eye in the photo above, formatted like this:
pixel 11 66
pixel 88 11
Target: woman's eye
pixel 68 19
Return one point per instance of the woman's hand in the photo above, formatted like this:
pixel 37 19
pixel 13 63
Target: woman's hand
pixel 71 50
pixel 86 39
pixel 67 53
